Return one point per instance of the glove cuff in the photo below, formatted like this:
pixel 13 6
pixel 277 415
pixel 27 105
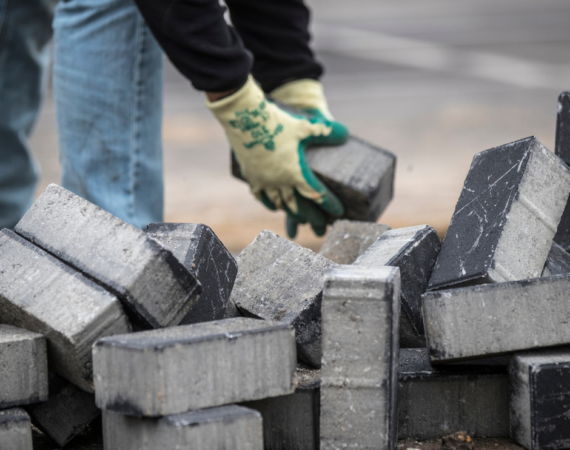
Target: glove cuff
pixel 249 95
pixel 303 94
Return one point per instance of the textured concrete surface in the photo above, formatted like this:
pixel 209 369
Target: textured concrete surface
pixel 451 397
pixel 227 427
pixel 558 262
pixel 66 413
pixel 414 251
pixel 23 367
pixel 348 239
pixel 292 421
pixel 198 248
pixel 540 399
pixel 15 430
pixel 154 373
pixel 152 284
pixel 359 374
pixel 506 216
pixel 499 318
pixel 280 280
pixel 40 293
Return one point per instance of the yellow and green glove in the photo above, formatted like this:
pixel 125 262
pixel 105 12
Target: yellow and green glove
pixel 269 145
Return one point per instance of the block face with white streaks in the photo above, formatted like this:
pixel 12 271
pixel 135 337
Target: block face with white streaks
pixel 540 399
pixel 15 430
pixel 282 281
pixel 359 374
pixel 506 216
pixel 558 261
pixel 414 251
pixel 197 247
pixel 492 319
pixel 157 290
pixel 23 367
pixel 227 427
pixel 154 373
pixel 42 294
pixel 348 239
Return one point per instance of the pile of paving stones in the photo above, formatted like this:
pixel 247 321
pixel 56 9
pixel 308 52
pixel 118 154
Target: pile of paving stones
pixel 384 335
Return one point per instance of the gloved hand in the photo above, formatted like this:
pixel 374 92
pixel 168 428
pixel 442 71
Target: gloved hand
pixel 269 145
pixel 305 94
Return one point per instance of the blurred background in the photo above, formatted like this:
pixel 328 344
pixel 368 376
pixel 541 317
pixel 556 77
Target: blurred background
pixel 433 81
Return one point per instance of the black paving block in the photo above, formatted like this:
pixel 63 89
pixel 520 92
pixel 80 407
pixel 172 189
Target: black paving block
pixel 558 262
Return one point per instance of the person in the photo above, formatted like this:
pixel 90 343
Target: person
pixel 269 44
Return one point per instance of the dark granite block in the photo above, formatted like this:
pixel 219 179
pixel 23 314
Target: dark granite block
pixel 558 262
pixel 562 149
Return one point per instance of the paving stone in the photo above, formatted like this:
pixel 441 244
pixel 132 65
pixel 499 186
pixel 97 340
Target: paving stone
pixel 558 262
pixel 348 239
pixel 540 399
pixel 156 289
pixel 562 149
pixel 414 250
pixel 493 319
pixel 469 396
pixel 292 421
pixel 359 374
pixel 282 281
pixel 506 216
pixel 198 248
pixel 42 294
pixel 66 413
pixel 227 427
pixel 15 430
pixel 154 373
pixel 23 366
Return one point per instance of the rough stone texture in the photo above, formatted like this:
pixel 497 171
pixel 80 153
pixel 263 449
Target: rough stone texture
pixel 292 421
pixel 198 248
pixel 282 281
pixel 23 367
pixel 66 413
pixel 15 430
pixel 506 216
pixel 562 149
pixel 360 358
pixel 414 250
pixel 157 290
pixel 492 319
pixel 40 293
pixel 540 399
pixel 227 427
pixel 558 262
pixel 348 239
pixel 434 400
pixel 155 373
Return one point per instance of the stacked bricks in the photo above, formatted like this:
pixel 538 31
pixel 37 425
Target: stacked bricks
pixel 282 281
pixel 155 287
pixel 360 358
pixel 414 251
pixel 201 252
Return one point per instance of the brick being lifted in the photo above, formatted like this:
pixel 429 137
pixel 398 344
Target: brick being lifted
pixel 506 216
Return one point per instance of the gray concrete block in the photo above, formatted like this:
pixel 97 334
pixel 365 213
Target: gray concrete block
pixel 23 367
pixel 156 289
pixel 506 216
pixel 414 250
pixel 494 319
pixel 348 239
pixel 359 374
pixel 282 281
pixel 66 413
pixel 434 400
pixel 227 427
pixel 558 262
pixel 42 294
pixel 292 421
pixel 154 373
pixel 540 399
pixel 198 248
pixel 15 430
pixel 562 149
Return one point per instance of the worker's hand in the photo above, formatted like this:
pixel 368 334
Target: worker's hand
pixel 305 94
pixel 269 145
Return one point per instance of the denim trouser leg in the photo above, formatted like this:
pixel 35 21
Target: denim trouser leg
pixel 108 90
pixel 25 32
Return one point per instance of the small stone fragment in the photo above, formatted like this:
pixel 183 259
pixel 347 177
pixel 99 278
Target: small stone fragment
pixel 15 430
pixel 457 441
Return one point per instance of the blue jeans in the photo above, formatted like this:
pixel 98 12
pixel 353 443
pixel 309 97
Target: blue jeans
pixel 25 32
pixel 108 91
